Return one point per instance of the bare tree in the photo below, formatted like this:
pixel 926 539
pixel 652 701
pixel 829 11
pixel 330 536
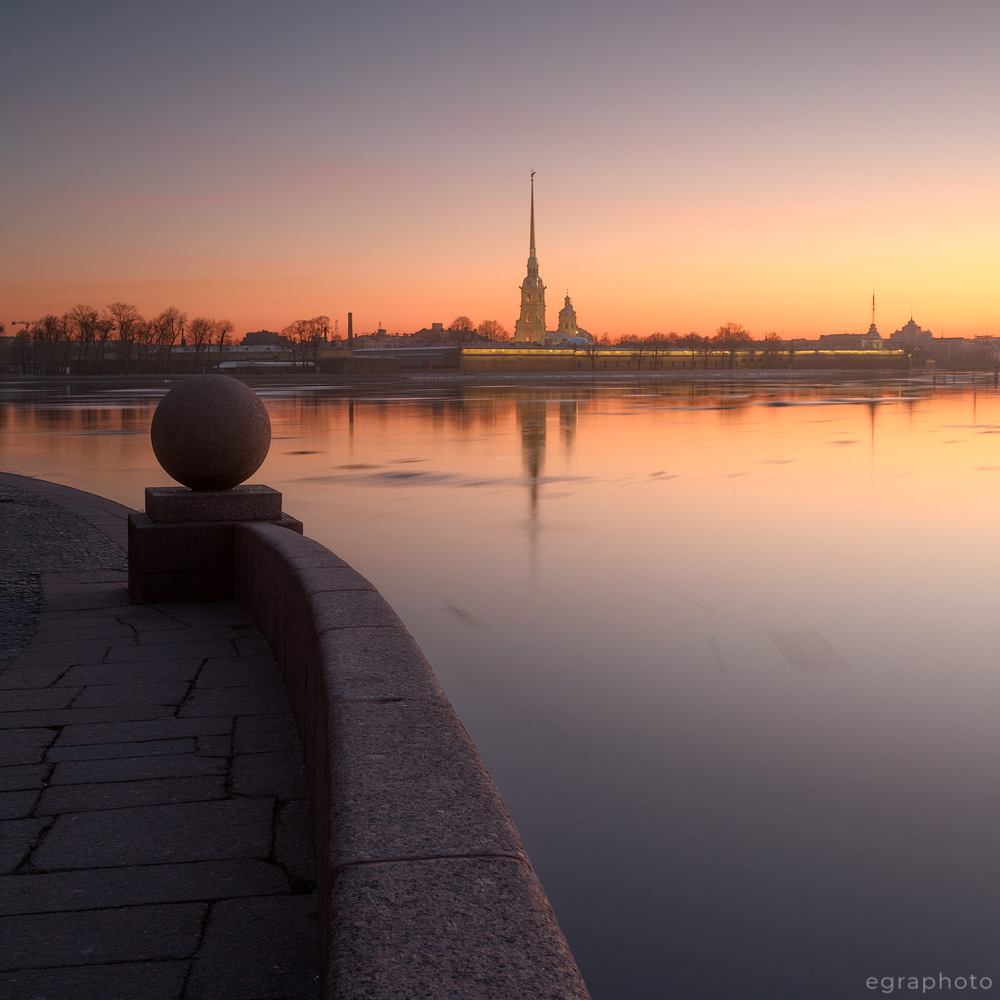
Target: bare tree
pixel 221 329
pixel 731 338
pixel 772 345
pixel 694 342
pixel 168 329
pixel 460 325
pixel 84 322
pixel 304 336
pixel 127 322
pixel 658 345
pixel 492 330
pixel 200 333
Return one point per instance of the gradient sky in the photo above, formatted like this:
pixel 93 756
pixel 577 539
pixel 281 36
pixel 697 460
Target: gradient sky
pixel 766 162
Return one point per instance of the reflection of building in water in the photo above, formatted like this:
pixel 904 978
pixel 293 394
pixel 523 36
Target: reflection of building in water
pixel 531 417
pixel 569 410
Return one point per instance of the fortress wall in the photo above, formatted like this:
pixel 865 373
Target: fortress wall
pixel 511 360
pixel 425 887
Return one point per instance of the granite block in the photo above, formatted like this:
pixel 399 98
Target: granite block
pixel 170 505
pixel 373 663
pixel 351 609
pixel 408 782
pixel 479 929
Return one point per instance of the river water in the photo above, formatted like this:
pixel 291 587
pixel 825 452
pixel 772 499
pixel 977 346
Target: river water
pixel 728 647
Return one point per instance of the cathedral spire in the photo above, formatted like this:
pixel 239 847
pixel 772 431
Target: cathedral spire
pixel 531 249
pixel 530 325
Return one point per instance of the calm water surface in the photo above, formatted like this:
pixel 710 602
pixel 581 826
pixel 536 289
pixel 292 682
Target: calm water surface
pixel 728 648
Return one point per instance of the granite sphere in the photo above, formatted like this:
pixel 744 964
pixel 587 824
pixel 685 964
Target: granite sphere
pixel 211 432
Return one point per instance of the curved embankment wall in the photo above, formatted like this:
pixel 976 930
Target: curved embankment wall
pixel 425 888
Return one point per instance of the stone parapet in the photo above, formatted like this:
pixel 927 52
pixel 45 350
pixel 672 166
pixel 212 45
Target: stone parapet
pixel 425 887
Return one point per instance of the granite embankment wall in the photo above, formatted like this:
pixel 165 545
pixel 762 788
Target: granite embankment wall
pixel 425 888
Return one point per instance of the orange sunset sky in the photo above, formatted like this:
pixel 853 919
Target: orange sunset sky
pixel 768 163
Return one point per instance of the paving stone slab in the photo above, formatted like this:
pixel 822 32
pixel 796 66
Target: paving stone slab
pixel 252 646
pixel 25 746
pixel 212 613
pixel 99 888
pixel 72 772
pixel 82 630
pixel 113 695
pixel 192 831
pixel 104 751
pixel 125 981
pixel 177 650
pixel 281 775
pixel 17 805
pixel 262 699
pixel 214 746
pixel 25 700
pixel 17 838
pixel 159 672
pixel 120 794
pixel 18 678
pixel 23 777
pixel 293 846
pixel 259 949
pixel 72 717
pixel 87 652
pixel 244 670
pixel 158 729
pixel 265 733
pixel 129 934
pixel 204 634
pixel 150 619
pixel 67 640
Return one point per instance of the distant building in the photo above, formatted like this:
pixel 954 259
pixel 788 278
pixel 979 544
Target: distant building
pixel 261 338
pixel 530 325
pixel 911 334
pixel 568 333
pixel 870 341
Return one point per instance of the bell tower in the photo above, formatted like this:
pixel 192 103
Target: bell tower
pixel 530 325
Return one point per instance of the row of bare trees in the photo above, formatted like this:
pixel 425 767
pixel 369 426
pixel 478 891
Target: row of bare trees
pixel 729 339
pixel 117 339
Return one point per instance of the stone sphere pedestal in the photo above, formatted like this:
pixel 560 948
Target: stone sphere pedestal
pixel 210 432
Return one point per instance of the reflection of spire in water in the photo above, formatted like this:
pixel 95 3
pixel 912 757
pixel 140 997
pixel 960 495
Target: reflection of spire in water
pixel 568 412
pixel 531 417
pixel 872 407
